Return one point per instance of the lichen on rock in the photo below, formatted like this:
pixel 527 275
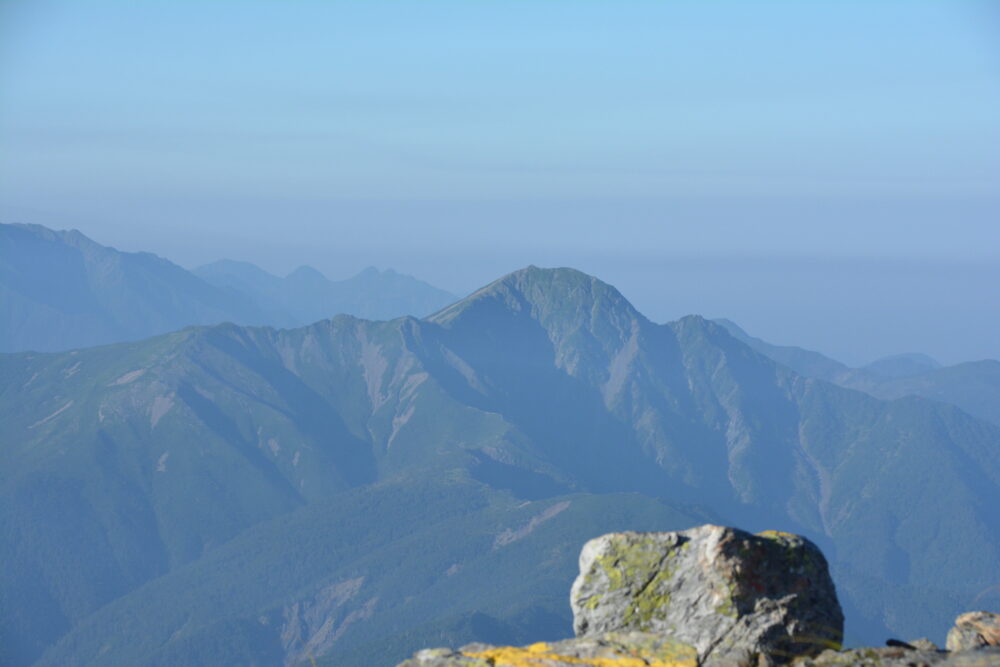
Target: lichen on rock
pixel 633 649
pixel 715 597
pixel 901 657
pixel 724 591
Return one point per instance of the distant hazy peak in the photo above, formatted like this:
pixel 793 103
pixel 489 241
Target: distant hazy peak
pixel 699 323
pixel 734 329
pixel 737 332
pixel 692 328
pixel 912 357
pixel 307 274
pixel 64 290
pixel 77 240
pixel 30 228
pixel 902 365
pixel 230 265
pixel 71 237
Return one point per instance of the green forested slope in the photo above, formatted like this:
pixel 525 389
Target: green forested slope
pixel 352 485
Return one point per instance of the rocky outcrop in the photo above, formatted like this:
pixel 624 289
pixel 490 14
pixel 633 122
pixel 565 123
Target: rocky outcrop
pixel 974 630
pixel 645 650
pixel 715 597
pixel 633 649
pixel 897 656
pixel 313 625
pixel 728 593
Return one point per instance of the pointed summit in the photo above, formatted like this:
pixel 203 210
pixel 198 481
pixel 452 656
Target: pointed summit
pixel 560 316
pixel 307 275
pixel 560 297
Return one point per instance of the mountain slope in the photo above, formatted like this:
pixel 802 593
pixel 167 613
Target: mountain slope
pixel 544 387
pixel 348 586
pixel 306 295
pixel 804 362
pixel 973 386
pixel 60 290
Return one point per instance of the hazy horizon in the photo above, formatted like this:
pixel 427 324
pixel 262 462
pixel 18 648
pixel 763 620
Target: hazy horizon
pixel 853 309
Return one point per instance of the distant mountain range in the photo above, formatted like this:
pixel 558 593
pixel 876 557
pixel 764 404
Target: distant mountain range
pixel 59 290
pixel 351 490
pixel 974 386
pixel 305 295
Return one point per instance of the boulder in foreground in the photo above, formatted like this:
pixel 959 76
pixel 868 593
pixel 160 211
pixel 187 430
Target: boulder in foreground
pixel 715 597
pixel 730 594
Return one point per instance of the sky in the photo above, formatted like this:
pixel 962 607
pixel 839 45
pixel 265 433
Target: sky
pixel 824 173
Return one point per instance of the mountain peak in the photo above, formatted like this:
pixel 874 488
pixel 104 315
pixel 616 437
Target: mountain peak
pixel 73 238
pixel 232 267
pixel 306 274
pixel 565 302
pixel 554 281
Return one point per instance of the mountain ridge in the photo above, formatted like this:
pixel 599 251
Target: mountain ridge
pixel 544 384
pixel 973 386
pixel 60 290
pixel 305 295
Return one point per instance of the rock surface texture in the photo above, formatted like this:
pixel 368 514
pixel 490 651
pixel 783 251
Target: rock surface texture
pixel 632 649
pixel 726 592
pixel 974 630
pixel 715 597
pixel 901 657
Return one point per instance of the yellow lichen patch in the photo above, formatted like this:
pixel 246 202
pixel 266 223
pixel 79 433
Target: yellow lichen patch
pixel 541 654
pixel 648 600
pixel 728 605
pixel 610 566
pixel 631 564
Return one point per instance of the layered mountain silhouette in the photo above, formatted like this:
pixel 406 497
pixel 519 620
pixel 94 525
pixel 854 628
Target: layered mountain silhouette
pixel 351 490
pixel 60 290
pixel 973 386
pixel 306 295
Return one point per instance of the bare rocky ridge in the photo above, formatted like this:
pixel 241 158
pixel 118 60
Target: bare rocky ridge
pixel 715 597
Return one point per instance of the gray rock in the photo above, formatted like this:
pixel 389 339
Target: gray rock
pixel 901 657
pixel 974 630
pixel 923 644
pixel 730 594
pixel 442 657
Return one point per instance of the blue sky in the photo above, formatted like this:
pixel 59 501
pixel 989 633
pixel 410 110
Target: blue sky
pixel 500 99
pixel 457 140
